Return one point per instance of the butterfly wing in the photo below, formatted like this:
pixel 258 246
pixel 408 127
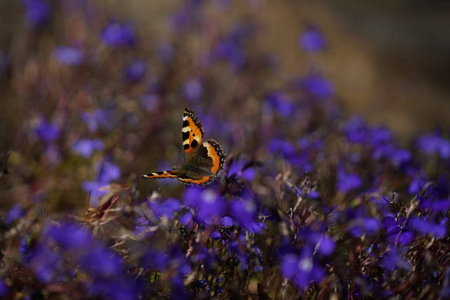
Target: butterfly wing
pixel 192 133
pixel 163 174
pixel 205 165
pixel 215 156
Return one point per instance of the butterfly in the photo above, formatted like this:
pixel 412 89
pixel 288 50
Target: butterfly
pixel 204 160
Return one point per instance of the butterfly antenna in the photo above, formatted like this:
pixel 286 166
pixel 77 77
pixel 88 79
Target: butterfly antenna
pixel 160 188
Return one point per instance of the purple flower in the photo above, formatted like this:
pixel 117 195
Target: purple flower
pixel 244 211
pixel 312 40
pixel 397 231
pixel 116 34
pixel 363 225
pixel 281 104
pixel 166 208
pixel 237 169
pixel 309 148
pixel 70 236
pixel 108 172
pixel 68 246
pixel 47 132
pixel 323 244
pixel 210 205
pixel 121 288
pixel 4 289
pixel 101 262
pixel 69 56
pixel 440 205
pixel 193 89
pixel 279 146
pixel 392 261
pixel 417 184
pixel 96 118
pixel 95 188
pixel 186 219
pixel 426 227
pixel 227 221
pixel 303 269
pixel 309 144
pixel 86 147
pixel 142 225
pixel 347 182
pixel 326 246
pixel 255 227
pixel 397 157
pixel 36 12
pixel 232 47
pixel 313 195
pixel 318 87
pixel 400 157
pixel 435 144
pixel 356 130
pixel 215 235
pixel 136 71
pixel 15 213
pixel 229 51
pixel 380 136
pixel 46 264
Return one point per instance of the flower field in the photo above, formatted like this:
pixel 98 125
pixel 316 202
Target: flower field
pixel 311 204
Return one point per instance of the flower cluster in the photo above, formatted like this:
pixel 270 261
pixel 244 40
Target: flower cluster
pixel 309 205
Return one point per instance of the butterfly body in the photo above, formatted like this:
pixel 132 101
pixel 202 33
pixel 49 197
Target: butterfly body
pixel 204 160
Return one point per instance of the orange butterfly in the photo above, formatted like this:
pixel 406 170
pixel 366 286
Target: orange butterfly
pixel 204 160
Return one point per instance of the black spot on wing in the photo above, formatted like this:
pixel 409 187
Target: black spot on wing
pixel 186 146
pixel 194 144
pixel 185 135
pixel 202 151
pixel 185 123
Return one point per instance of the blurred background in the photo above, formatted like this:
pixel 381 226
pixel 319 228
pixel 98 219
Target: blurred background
pixel 389 60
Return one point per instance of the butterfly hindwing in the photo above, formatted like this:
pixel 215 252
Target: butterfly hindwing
pixel 192 132
pixel 214 154
pixel 205 180
pixel 205 165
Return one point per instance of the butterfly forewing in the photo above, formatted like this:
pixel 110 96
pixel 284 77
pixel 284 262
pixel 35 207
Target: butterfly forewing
pixel 192 132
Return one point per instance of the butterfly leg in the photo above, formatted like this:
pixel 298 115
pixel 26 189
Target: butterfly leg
pixel 163 174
